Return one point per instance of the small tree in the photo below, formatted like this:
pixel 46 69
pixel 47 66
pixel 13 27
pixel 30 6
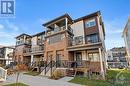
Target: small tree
pixel 19 69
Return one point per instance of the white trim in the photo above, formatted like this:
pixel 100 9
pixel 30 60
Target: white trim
pixel 5 74
pixel 101 64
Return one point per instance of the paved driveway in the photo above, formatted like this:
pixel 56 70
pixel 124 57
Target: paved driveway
pixel 38 81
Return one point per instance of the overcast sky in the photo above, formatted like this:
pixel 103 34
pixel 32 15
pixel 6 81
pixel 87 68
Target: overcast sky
pixel 31 14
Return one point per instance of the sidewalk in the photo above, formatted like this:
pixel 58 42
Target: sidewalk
pixel 37 81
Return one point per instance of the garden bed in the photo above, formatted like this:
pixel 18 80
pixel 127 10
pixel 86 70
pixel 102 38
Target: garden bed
pixel 111 79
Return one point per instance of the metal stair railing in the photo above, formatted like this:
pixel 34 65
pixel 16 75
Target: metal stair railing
pixel 48 66
pixel 33 65
pixel 53 67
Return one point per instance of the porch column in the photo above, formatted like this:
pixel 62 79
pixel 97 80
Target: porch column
pixel 101 64
pixel 84 38
pixel 66 23
pixel 105 61
pixel 32 57
pixel 84 55
pixel 24 37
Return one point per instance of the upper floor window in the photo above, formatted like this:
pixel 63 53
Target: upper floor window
pixel 78 40
pixel 90 23
pixel 93 38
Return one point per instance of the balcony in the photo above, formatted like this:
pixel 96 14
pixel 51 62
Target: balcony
pixel 20 42
pixel 10 55
pixel 79 40
pixel 55 30
pixel 59 29
pixel 83 42
pixel 40 42
pixel 37 49
pixel 27 51
pixel 34 50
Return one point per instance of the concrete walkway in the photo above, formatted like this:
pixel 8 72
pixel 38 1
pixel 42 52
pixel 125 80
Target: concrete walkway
pixel 38 81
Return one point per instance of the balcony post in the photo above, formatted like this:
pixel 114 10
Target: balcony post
pixel 24 37
pixel 66 23
pixel 32 59
pixel 101 64
pixel 84 39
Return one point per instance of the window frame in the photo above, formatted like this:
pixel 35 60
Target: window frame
pixel 93 38
pixel 91 56
pixel 88 23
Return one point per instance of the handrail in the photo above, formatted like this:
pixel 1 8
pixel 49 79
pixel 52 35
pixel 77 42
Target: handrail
pixel 33 65
pixel 47 66
pixel 53 67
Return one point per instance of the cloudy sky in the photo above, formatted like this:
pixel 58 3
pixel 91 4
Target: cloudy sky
pixel 31 14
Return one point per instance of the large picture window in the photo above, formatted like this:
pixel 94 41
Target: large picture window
pixel 93 38
pixel 90 23
pixel 93 57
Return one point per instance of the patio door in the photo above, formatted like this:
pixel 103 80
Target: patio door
pixel 79 59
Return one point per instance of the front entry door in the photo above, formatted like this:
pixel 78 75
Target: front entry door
pixel 79 59
pixel 58 60
pixel 50 58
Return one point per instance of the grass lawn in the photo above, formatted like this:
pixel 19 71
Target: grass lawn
pixel 18 84
pixel 110 79
pixel 33 73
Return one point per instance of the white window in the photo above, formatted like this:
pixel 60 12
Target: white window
pixel 90 23
pixel 94 57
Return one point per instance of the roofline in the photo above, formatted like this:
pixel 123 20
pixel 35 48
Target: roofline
pixel 88 16
pixel 22 34
pixel 43 32
pixel 65 15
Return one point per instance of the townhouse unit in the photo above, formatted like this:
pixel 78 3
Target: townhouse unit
pixel 126 36
pixel 6 55
pixel 116 58
pixel 29 49
pixel 79 41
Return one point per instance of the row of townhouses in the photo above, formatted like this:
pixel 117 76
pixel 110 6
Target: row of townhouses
pixel 67 43
pixel 64 45
pixel 116 58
